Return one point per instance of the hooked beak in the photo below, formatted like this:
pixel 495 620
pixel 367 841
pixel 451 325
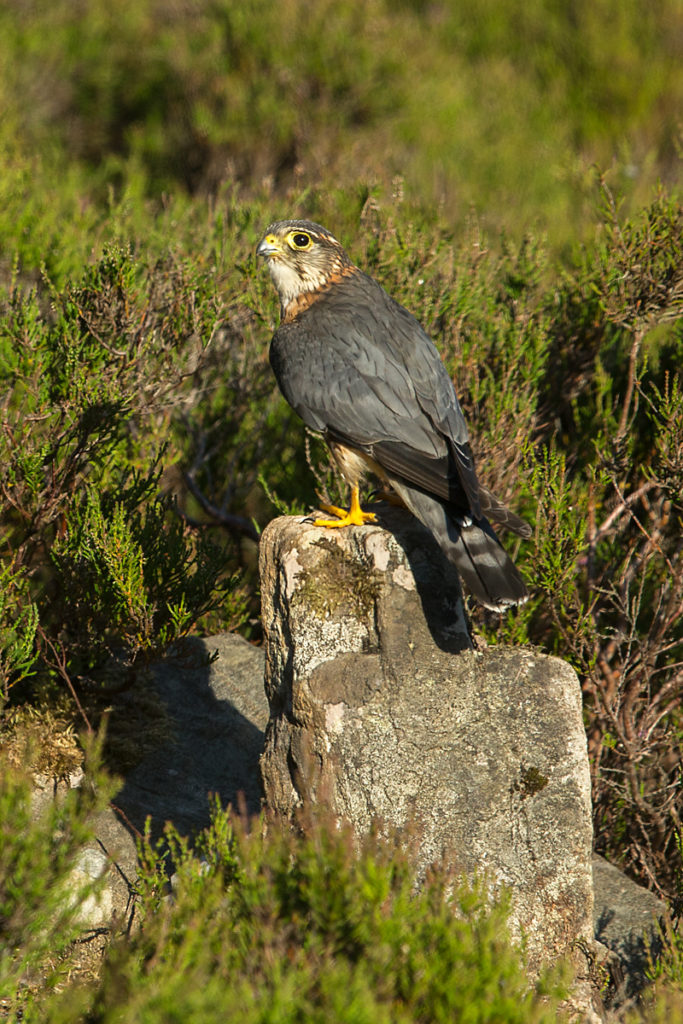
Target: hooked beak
pixel 268 246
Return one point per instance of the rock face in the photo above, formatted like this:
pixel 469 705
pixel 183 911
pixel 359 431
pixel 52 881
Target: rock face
pixel 626 919
pixel 213 695
pixel 379 707
pixel 215 712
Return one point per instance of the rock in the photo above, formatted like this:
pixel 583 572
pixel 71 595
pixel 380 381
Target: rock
pixel 217 711
pixel 48 790
pixel 626 919
pixel 96 907
pixel 371 709
pixel 110 857
pixel 379 707
pixel 112 853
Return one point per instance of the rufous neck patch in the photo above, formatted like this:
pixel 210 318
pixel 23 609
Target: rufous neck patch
pixel 305 300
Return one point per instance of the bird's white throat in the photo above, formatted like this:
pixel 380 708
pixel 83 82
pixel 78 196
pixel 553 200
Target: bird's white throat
pixel 291 282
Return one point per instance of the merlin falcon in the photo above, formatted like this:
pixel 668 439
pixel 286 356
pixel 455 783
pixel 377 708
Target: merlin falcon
pixel 359 370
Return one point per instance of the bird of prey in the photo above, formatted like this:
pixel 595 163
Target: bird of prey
pixel 359 369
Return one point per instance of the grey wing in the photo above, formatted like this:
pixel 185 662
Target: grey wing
pixel 452 471
pixel 368 376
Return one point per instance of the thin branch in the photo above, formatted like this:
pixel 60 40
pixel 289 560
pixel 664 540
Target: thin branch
pixel 59 663
pixel 624 505
pixel 630 386
pixel 237 524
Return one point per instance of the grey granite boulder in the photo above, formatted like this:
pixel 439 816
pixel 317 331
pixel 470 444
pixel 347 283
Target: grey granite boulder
pixel 627 919
pixel 379 707
pixel 212 693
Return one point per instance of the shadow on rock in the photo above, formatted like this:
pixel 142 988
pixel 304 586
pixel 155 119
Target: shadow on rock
pixel 217 713
pixel 436 581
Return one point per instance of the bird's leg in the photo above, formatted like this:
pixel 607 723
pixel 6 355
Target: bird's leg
pixel 354 517
pixel 390 496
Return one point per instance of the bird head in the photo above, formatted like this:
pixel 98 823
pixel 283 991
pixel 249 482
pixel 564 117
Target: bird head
pixel 303 258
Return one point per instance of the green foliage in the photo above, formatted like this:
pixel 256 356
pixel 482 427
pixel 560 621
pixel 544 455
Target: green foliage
pixel 638 276
pixel 142 439
pixel 560 529
pixel 507 107
pixel 102 558
pixel 133 572
pixel 289 927
pixel 141 412
pixel 18 625
pixel 608 551
pixel 213 79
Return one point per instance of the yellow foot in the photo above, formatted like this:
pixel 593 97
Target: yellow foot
pixel 354 517
pixel 345 518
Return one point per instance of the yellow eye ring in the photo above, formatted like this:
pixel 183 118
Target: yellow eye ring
pixel 299 240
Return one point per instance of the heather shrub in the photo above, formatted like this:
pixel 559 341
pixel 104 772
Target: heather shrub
pixel 290 926
pixel 504 108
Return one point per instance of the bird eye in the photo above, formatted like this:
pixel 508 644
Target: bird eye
pixel 300 240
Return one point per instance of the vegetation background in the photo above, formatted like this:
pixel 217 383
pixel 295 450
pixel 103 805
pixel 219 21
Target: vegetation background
pixel 511 172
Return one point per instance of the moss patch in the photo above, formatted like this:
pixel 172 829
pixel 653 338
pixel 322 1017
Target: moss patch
pixel 338 579
pixel 532 781
pixel 40 739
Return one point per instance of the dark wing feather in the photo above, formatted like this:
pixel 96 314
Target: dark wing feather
pixel 473 548
pixel 358 367
pixel 494 509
